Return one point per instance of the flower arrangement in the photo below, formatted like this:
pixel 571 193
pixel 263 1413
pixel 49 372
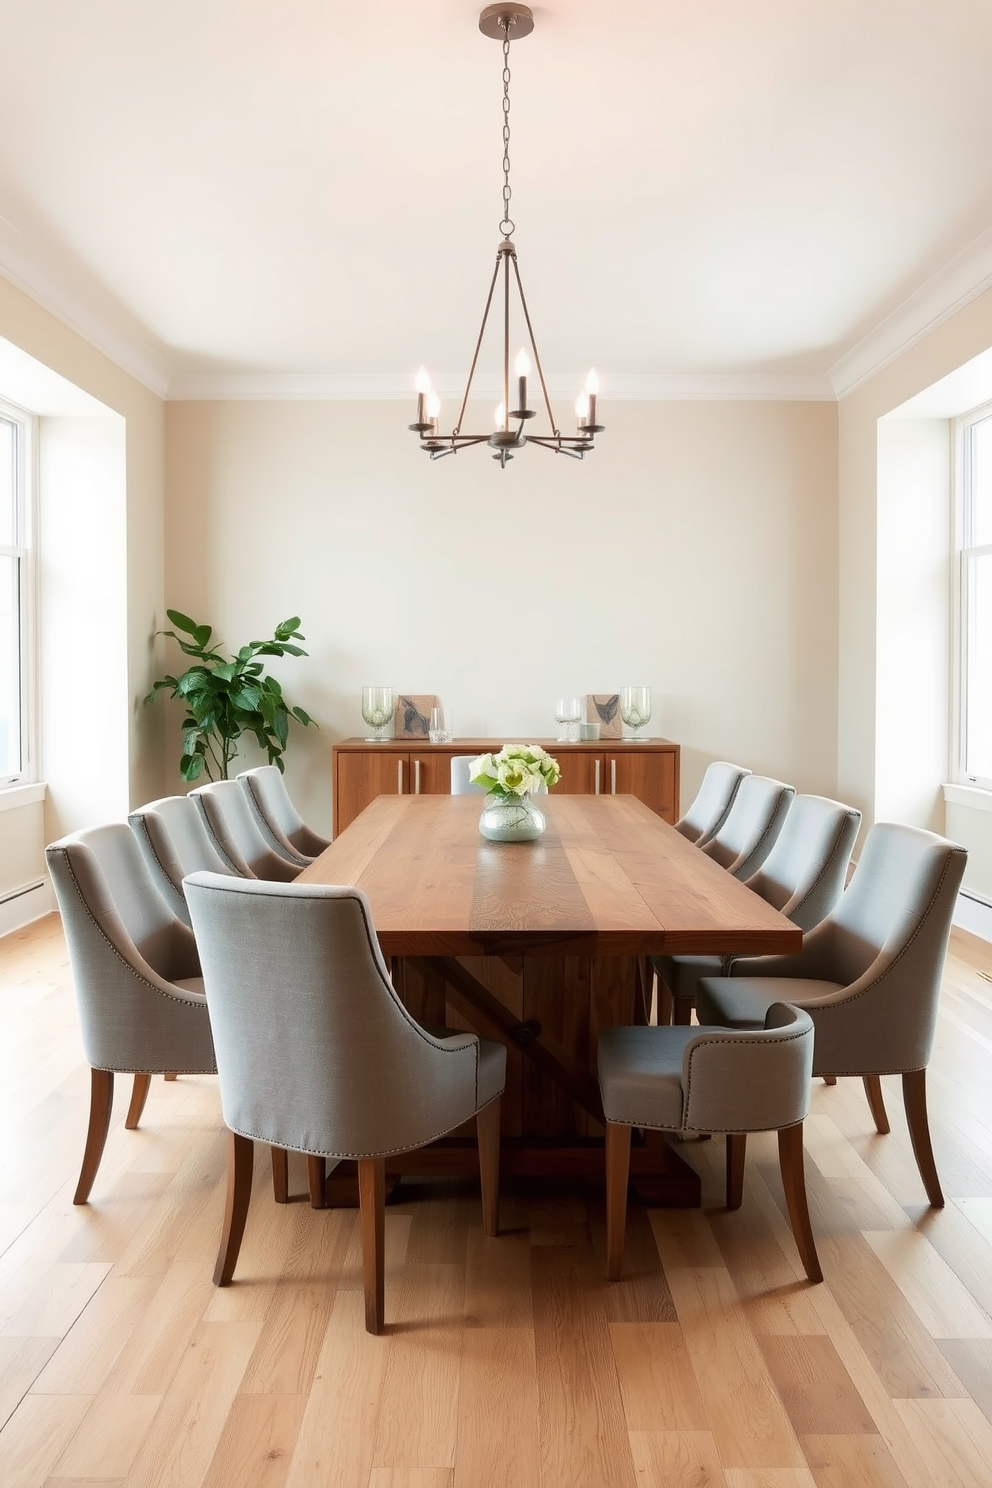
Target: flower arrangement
pixel 517 770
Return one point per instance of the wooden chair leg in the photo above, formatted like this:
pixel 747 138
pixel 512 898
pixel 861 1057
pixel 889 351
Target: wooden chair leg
pixel 617 1175
pixel 664 1003
pixel 139 1094
pixel 240 1163
pixel 914 1094
pixel 736 1153
pixel 790 1157
pixel 101 1105
pixel 372 1204
pixel 682 1011
pixel 830 1079
pixel 171 1076
pixel 317 1180
pixel 280 1175
pixel 876 1103
pixel 487 1124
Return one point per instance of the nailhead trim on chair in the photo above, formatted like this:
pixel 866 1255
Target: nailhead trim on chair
pixel 702 1044
pixel 181 997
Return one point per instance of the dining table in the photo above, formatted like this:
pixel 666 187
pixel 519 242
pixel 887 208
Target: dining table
pixel 542 945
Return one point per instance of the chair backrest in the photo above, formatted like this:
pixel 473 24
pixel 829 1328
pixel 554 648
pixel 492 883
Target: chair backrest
pixel 713 800
pixel 277 818
pixel 753 1080
pixel 315 1051
pixel 460 783
pixel 875 962
pixel 804 874
pixel 126 948
pixel 751 826
pixel 900 899
pixel 174 841
pixel 229 820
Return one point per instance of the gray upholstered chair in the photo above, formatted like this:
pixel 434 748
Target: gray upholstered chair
pixel 869 975
pixel 803 877
pixel 137 977
pixel 277 818
pixel 710 1080
pixel 751 826
pixel 174 841
pixel 460 783
pixel 317 1054
pixel 712 802
pixel 229 820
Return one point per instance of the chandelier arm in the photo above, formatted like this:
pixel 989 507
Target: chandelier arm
pixel 533 347
pixel 478 347
pixel 563 445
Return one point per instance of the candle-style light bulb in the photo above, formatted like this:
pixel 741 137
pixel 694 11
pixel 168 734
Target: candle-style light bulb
pixel 500 416
pixel 582 409
pixel 592 388
pixel 422 383
pixel 433 409
pixel 522 368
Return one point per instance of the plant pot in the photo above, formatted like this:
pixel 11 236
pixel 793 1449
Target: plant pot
pixel 511 819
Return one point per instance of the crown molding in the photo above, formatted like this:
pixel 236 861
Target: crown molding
pixel 28 274
pixel 963 279
pixel 620 387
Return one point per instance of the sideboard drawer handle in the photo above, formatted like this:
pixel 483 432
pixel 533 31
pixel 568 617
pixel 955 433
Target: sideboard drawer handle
pixel 399 777
pixel 613 776
pixel 416 777
pixel 597 777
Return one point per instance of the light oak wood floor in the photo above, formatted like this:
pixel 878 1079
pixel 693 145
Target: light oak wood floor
pixel 507 1361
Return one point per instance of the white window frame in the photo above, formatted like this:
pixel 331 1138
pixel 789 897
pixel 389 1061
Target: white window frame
pixel 965 552
pixel 25 549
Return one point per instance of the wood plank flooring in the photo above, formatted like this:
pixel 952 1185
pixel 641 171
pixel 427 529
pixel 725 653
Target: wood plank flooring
pixel 504 1362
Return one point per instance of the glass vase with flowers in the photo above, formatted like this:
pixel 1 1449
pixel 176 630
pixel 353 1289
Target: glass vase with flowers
pixel 511 779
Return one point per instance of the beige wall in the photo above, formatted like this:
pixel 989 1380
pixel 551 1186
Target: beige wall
pixel 42 336
pixel 696 551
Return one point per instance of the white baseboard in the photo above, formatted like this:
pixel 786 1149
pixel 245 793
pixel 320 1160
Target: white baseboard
pixel 20 909
pixel 974 915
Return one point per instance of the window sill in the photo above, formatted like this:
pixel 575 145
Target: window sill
pixel 13 796
pixel 968 795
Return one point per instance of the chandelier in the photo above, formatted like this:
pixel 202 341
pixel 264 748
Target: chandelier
pixel 502 21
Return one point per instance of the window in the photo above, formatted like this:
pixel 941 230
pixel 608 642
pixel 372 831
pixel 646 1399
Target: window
pixel 974 628
pixel 16 588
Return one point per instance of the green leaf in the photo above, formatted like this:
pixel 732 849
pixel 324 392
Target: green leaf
pixel 184 622
pixel 191 766
pixel 303 716
pixel 287 628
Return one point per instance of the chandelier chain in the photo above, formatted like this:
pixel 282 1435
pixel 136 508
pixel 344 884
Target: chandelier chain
pixel 507 225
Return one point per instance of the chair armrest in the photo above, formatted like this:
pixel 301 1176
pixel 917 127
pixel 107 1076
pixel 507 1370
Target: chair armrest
pixel 740 1080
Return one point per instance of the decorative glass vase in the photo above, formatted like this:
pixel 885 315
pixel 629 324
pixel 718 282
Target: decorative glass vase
pixel 511 819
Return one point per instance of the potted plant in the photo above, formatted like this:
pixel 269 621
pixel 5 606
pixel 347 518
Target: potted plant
pixel 227 697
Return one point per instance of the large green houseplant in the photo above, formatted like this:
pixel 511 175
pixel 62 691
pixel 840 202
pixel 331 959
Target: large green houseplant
pixel 225 698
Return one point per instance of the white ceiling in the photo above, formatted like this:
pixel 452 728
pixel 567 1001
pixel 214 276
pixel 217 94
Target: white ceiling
pixel 306 194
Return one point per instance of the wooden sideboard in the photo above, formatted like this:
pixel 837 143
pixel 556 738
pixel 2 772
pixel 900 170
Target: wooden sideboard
pixel 647 769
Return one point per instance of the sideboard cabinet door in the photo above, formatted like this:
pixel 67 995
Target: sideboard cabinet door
pixel 360 776
pixel 649 775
